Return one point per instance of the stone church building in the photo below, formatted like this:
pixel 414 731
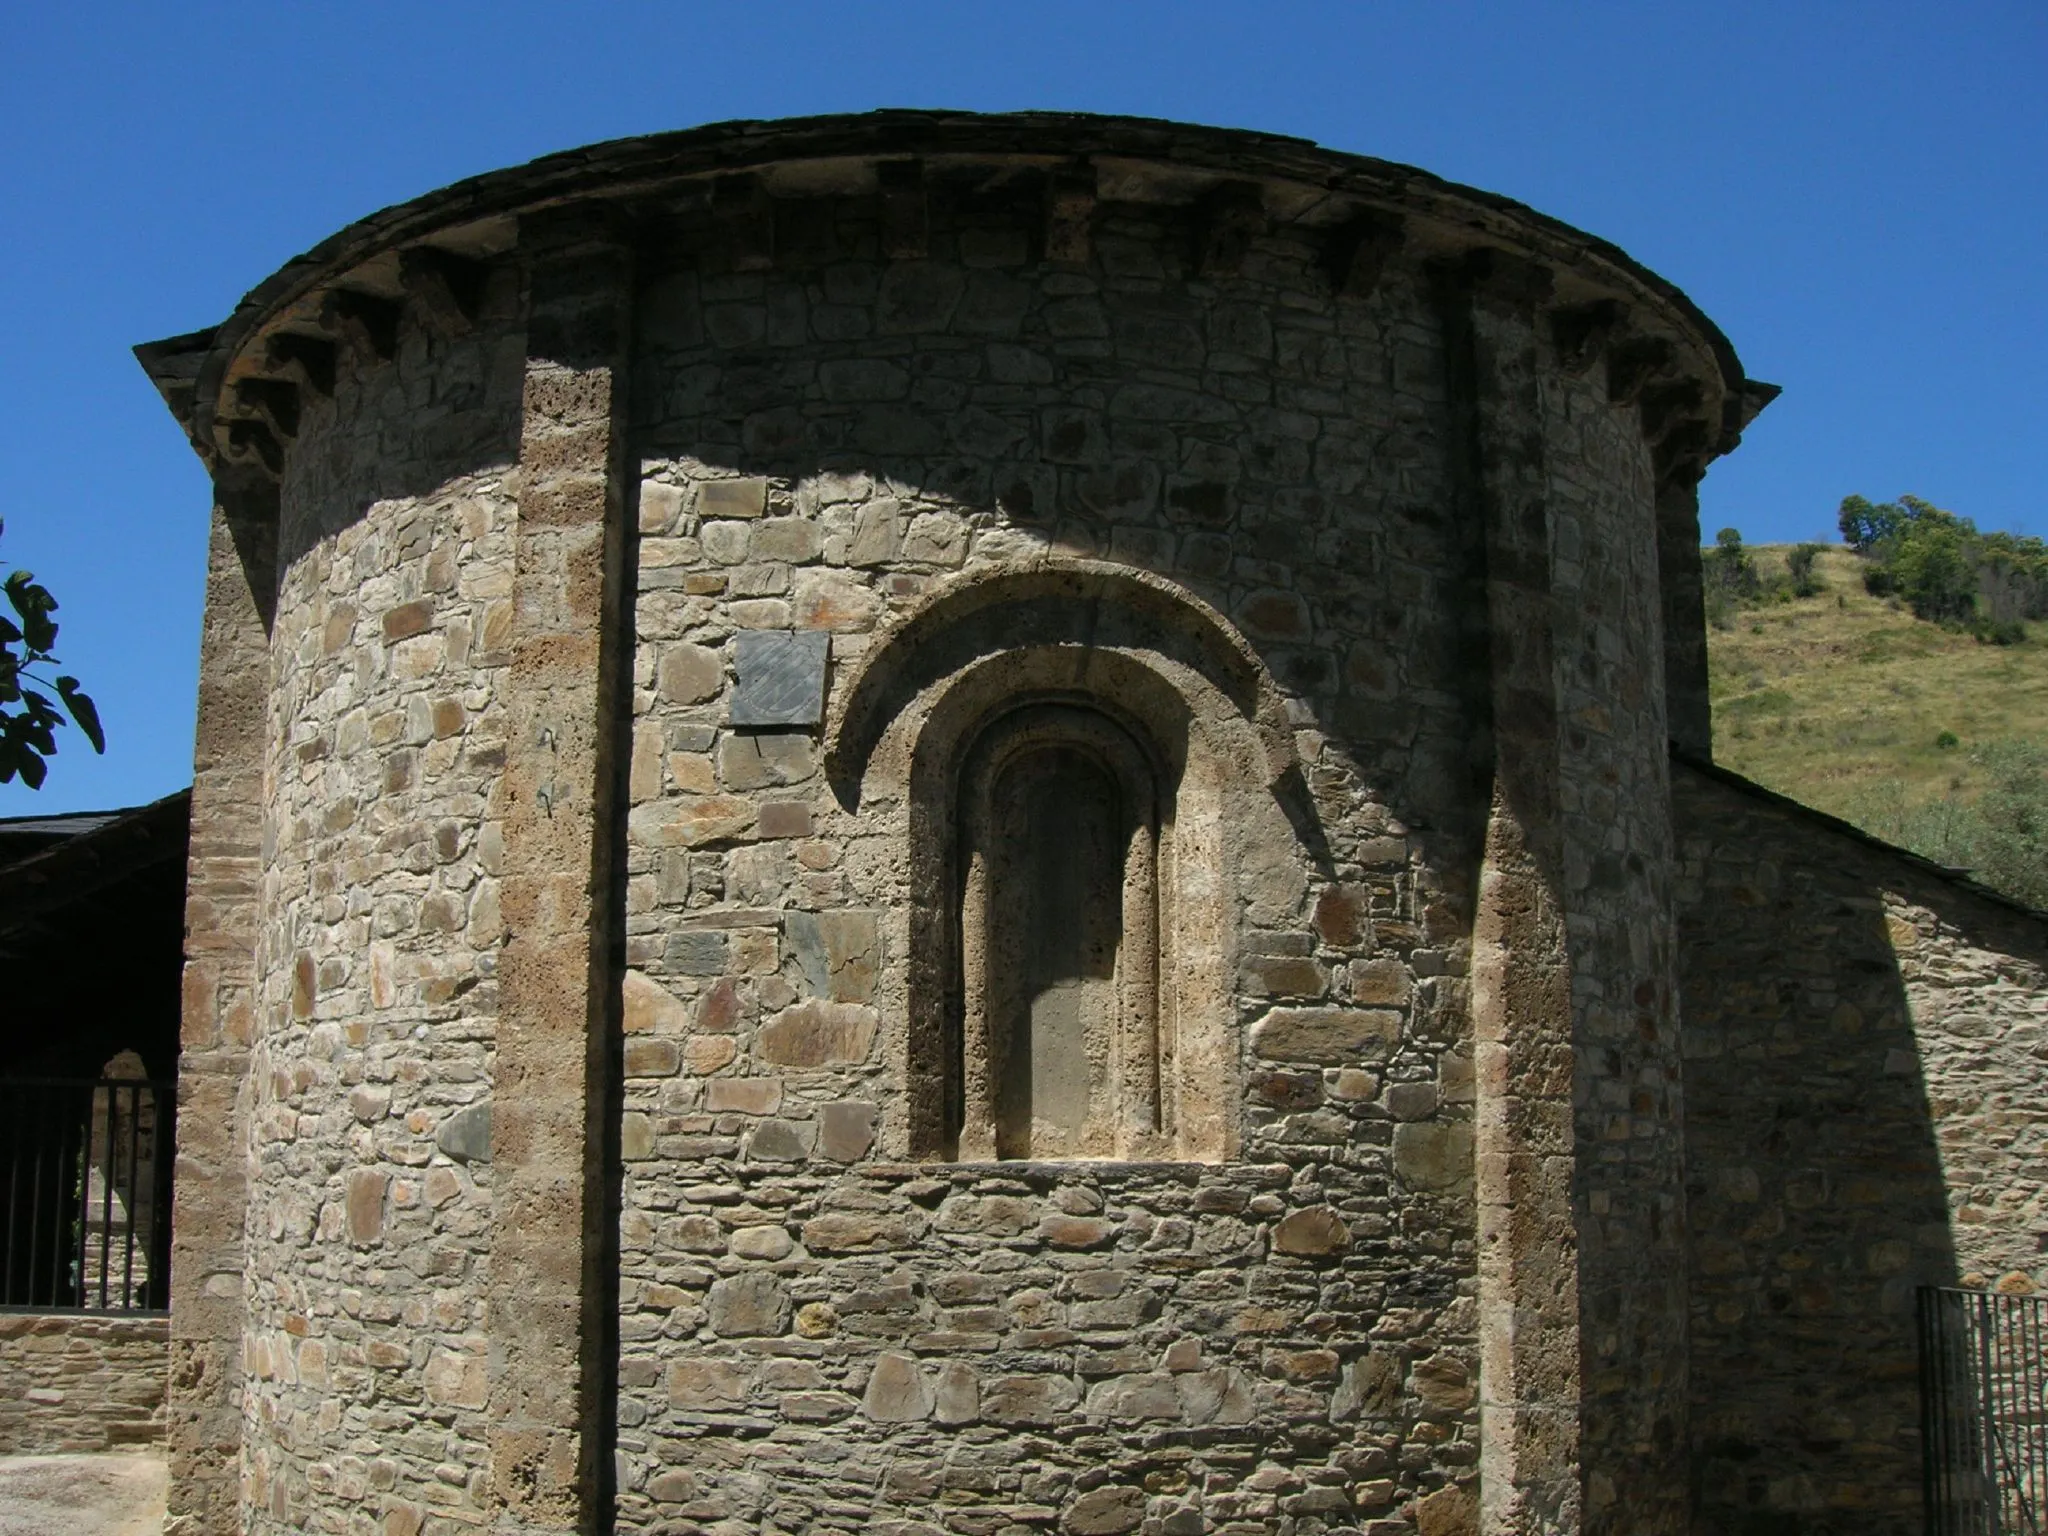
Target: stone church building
pixel 927 824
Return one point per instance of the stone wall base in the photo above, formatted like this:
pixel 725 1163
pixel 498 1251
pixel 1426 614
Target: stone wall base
pixel 79 1382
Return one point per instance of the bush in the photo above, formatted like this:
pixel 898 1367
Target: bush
pixel 1729 576
pixel 2001 838
pixel 1799 566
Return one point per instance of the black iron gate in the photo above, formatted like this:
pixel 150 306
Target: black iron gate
pixel 85 1177
pixel 1984 1412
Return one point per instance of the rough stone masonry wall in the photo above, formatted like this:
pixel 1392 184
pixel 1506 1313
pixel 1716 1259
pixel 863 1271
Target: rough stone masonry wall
pixel 816 1336
pixel 1864 1046
pixel 369 1190
pixel 71 1383
pixel 1619 931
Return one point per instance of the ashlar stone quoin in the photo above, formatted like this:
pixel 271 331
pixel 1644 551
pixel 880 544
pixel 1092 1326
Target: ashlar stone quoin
pixel 943 823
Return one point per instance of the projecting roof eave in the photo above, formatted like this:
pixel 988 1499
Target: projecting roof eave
pixel 192 370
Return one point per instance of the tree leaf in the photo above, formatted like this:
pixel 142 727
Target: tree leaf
pixel 83 711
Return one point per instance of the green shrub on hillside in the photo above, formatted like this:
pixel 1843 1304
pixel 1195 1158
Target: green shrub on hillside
pixel 2001 838
pixel 1800 571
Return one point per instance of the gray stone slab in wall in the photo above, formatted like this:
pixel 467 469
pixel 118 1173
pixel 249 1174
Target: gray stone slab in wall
pixel 781 678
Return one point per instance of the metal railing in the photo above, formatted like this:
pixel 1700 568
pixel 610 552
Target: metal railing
pixel 1984 1412
pixel 85 1177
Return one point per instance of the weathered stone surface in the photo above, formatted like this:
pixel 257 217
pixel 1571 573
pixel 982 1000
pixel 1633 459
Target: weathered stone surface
pixel 706 1386
pixel 838 952
pixel 898 1392
pixel 1027 1400
pixel 843 1232
pixel 466 1134
pixel 367 1188
pixel 781 1141
pixel 749 1306
pixel 1447 1512
pixel 690 674
pixel 956 1396
pixel 650 1008
pixel 846 1130
pixel 816 1034
pixel 1313 1233
pixel 1104 1512
pixel 1331 1037
pixel 1433 1155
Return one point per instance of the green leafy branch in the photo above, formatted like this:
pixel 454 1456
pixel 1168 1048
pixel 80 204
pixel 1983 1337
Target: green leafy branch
pixel 29 716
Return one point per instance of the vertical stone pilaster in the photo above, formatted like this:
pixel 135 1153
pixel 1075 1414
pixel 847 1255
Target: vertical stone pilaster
pixel 1580 1186
pixel 548 1312
pixel 223 910
pixel 1691 721
pixel 1530 1383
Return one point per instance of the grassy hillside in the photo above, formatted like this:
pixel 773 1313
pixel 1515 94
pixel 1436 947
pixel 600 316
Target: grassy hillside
pixel 1842 700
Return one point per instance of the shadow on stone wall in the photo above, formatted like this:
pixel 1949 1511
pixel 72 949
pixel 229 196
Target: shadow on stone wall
pixel 1817 1199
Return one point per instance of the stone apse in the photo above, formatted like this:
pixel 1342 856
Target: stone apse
pixel 935 823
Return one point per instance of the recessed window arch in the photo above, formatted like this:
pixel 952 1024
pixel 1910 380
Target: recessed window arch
pixel 1073 756
pixel 1059 926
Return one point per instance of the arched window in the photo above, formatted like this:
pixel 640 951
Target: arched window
pixel 1058 938
pixel 1069 750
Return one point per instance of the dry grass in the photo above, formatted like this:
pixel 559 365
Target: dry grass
pixel 1825 698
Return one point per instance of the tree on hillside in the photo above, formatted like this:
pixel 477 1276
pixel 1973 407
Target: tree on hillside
pixel 1945 569
pixel 29 717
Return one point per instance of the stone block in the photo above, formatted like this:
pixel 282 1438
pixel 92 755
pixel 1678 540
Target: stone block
pixel 367 1188
pixel 897 1392
pixel 690 821
pixel 1077 1231
pixel 745 497
pixel 689 674
pixel 1341 915
pixel 465 1135
pixel 1411 1101
pixel 1028 1400
pixel 767 1243
pixel 752 1305
pixel 859 1232
pixel 956 1395
pixel 765 759
pixel 657 1057
pixel 781 1141
pixel 838 952
pixel 1221 1396
pixel 846 1130
pixel 706 1386
pixel 697 952
pixel 1449 1511
pixel 1315 1232
pixel 1331 1037
pixel 650 1008
pixel 705 1054
pixel 1380 983
pixel 456 1379
pixel 818 1034
pixel 718 1010
pixel 746 1096
pixel 1433 1155
pixel 1105 1511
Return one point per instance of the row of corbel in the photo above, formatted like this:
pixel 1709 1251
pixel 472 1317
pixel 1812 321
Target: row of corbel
pixel 444 291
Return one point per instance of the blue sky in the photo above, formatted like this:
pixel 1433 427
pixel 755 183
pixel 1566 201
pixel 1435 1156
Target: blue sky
pixel 1858 194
